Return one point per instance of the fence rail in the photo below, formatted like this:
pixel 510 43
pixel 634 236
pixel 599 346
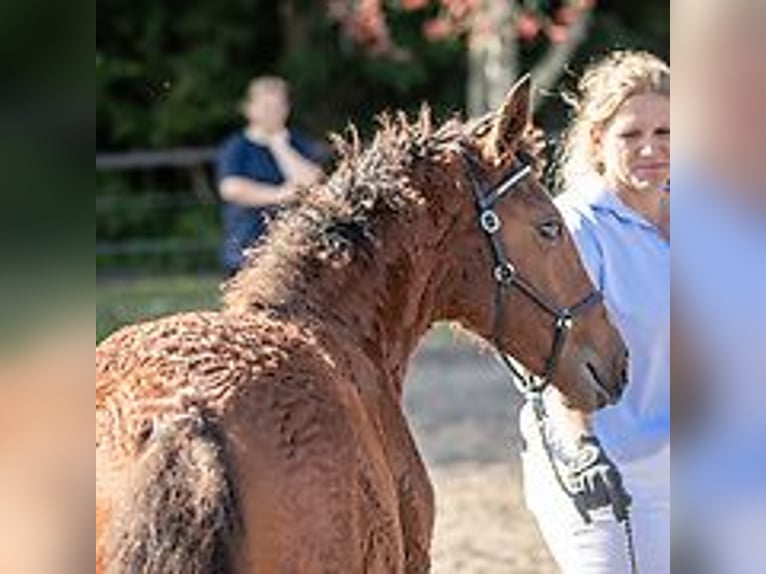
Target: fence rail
pixel 191 162
pixel 188 157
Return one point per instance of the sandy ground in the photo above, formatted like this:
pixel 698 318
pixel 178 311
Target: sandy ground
pixel 463 411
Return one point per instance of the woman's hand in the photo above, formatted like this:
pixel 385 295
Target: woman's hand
pixel 596 482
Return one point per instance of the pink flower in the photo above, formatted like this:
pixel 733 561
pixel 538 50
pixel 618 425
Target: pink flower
pixel 566 15
pixel 459 9
pixel 527 26
pixel 437 29
pixel 368 24
pixel 412 5
pixel 586 4
pixel 557 33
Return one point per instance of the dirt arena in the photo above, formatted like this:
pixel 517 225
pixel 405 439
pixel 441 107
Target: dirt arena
pixel 463 412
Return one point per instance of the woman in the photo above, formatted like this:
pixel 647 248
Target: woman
pixel 615 170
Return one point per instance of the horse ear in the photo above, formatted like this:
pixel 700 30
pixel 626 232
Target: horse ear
pixel 513 117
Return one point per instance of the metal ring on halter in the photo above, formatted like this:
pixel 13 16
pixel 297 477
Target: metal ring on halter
pixel 565 322
pixel 490 222
pixel 505 273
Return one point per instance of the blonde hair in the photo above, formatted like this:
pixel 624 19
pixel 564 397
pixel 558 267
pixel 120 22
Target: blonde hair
pixel 602 90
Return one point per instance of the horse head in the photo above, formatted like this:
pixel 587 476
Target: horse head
pixel 517 278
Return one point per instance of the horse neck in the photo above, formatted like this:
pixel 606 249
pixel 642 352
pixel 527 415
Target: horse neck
pixel 379 304
pixel 382 303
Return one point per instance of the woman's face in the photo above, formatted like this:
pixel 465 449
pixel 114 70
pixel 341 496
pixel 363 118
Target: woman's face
pixel 634 147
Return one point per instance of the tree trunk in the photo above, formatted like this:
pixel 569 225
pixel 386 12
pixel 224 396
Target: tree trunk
pixel 295 23
pixel 493 54
pixel 548 71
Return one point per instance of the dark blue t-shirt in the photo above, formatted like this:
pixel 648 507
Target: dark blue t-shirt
pixel 242 157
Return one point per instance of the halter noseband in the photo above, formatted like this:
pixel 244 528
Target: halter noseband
pixel 507 276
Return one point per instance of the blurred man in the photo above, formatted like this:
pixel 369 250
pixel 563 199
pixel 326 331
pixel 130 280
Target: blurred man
pixel 719 277
pixel 260 167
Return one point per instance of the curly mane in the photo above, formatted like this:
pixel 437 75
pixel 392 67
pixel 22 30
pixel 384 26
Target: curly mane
pixel 336 220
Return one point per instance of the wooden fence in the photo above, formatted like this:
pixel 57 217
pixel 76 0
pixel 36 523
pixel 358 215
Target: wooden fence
pixel 191 164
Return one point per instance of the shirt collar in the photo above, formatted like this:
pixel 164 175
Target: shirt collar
pixel 601 198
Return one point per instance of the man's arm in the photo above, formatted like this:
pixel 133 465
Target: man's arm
pixel 295 168
pixel 248 193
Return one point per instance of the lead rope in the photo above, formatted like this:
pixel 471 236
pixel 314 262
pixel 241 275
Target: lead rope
pixel 630 542
pixel 535 397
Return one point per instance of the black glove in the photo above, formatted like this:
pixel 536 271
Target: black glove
pixel 595 481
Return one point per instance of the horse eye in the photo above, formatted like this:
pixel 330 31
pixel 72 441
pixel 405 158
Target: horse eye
pixel 550 230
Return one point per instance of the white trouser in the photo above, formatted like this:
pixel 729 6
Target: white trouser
pixel 601 546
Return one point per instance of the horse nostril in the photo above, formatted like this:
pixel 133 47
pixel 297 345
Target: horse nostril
pixel 624 369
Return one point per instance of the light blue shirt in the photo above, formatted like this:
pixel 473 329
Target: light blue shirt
pixel 629 261
pixel 719 277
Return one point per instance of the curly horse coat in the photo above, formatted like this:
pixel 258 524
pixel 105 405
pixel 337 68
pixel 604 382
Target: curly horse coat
pixel 269 437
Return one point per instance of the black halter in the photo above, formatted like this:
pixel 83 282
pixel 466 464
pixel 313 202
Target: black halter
pixel 507 276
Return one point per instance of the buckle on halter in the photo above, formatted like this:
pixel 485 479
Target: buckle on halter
pixel 505 273
pixel 489 221
pixel 564 322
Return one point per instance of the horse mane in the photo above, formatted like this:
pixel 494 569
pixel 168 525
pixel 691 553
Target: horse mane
pixel 335 220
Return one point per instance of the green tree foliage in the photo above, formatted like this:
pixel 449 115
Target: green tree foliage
pixel 168 73
pixel 171 73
